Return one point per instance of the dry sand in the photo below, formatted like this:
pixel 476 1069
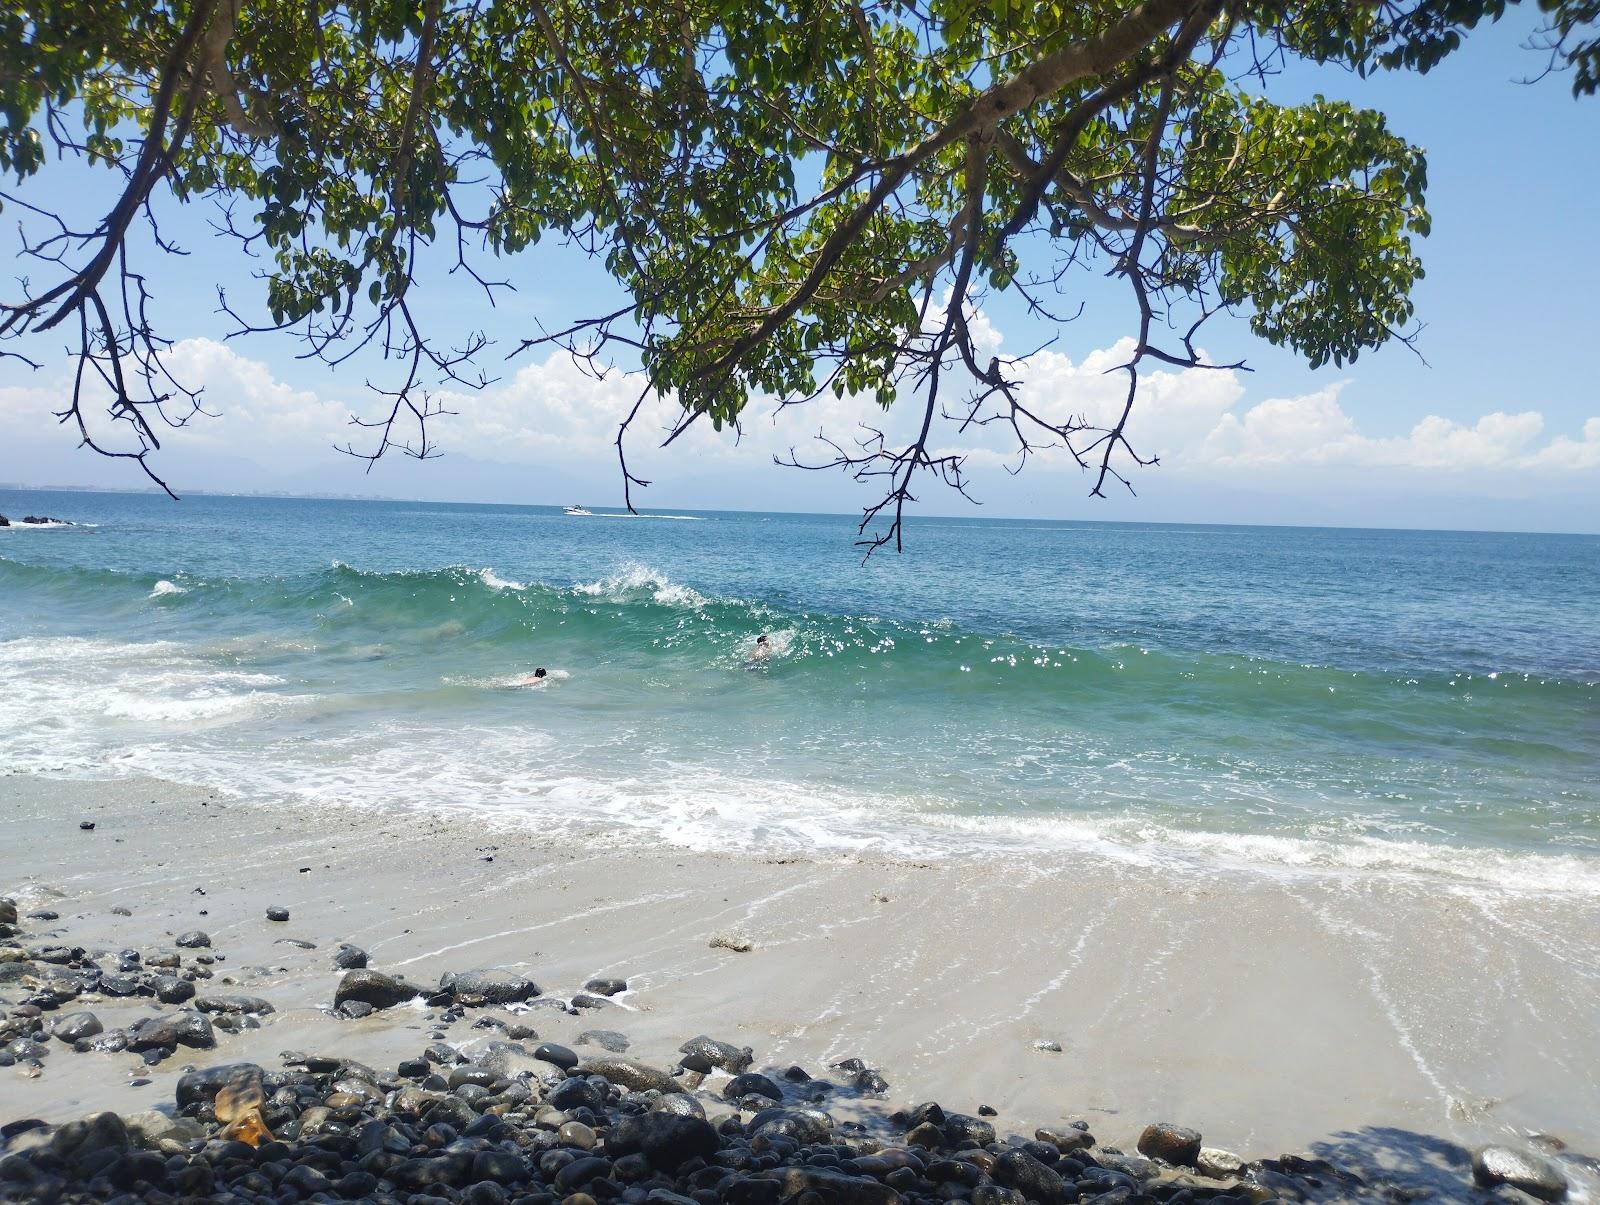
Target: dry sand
pixel 1342 1015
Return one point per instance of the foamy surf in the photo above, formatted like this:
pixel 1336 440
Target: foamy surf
pixel 633 580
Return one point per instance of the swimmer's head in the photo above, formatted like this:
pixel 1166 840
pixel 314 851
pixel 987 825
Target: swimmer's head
pixel 762 639
pixel 539 673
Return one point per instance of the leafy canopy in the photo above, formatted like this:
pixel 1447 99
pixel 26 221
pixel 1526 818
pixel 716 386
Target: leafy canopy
pixel 795 197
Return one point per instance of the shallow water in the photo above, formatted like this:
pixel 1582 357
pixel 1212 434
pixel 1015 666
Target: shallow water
pixel 1288 700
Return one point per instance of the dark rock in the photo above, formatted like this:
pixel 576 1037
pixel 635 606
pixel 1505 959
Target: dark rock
pixel 8 912
pixel 113 1041
pixel 573 1094
pixel 681 1103
pixel 1172 1144
pixel 732 1059
pixel 634 1076
pixel 438 1170
pixel 277 912
pixel 585 1000
pixel 668 1140
pixel 172 989
pixel 606 1039
pixel 468 1073
pixel 90 1146
pixel 72 1027
pixel 580 1171
pixel 607 987
pixel 994 1194
pixel 805 1126
pixel 833 1188
pixel 1066 1141
pixel 493 986
pixel 871 1082
pixel 751 1083
pixel 233 1004
pixel 356 1009
pixel 200 1087
pixel 374 988
pixel 961 1130
pixel 194 939
pixel 560 1056
pixel 350 958
pixel 499 1166
pixel 1533 1174
pixel 185 1028
pixel 120 985
pixel 1021 1171
pixel 305 1180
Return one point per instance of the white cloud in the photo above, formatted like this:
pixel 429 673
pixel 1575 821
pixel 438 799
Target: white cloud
pixel 1315 429
pixel 554 413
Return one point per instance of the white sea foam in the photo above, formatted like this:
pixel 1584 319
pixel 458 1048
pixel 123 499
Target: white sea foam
pixel 636 579
pixel 622 514
pixel 85 706
pixel 523 680
pixel 71 703
pixel 495 582
pixel 163 588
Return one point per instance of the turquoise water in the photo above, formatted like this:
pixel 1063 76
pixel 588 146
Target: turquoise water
pixel 1326 700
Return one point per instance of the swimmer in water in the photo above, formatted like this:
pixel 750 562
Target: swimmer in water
pixel 538 678
pixel 761 652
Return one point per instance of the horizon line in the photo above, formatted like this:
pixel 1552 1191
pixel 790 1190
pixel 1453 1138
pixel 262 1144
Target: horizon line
pixel 912 520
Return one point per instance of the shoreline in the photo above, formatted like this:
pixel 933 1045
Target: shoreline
pixel 1272 1015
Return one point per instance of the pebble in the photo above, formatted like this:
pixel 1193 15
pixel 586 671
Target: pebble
pixel 488 986
pixel 738 943
pixel 1170 1143
pixel 559 1056
pixel 373 988
pixel 278 913
pixel 195 939
pixel 1218 1164
pixel 86 825
pixel 73 1027
pixel 1533 1174
pixel 724 1055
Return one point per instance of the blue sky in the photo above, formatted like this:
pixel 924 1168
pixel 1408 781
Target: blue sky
pixel 1500 429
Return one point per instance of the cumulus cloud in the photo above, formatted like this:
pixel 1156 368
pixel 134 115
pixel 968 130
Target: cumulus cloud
pixel 1315 429
pixel 554 412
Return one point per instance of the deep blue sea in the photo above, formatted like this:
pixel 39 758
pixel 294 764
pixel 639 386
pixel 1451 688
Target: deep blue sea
pixel 1342 701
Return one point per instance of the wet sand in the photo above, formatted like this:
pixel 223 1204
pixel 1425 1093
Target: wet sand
pixel 1354 1017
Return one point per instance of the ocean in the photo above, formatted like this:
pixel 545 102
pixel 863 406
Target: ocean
pixel 1208 699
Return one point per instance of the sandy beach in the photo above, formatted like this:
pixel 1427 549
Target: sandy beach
pixel 1357 1019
